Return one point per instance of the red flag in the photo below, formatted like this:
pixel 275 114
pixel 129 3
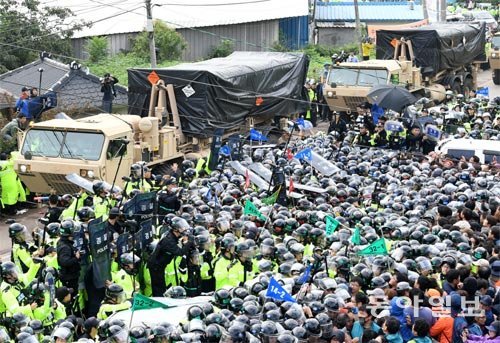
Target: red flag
pixel 290 187
pixel 289 154
pixel 247 179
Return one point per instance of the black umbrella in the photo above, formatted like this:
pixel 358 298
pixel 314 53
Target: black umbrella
pixel 391 97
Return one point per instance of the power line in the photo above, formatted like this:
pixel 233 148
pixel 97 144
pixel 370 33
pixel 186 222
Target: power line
pixel 203 31
pixel 359 70
pixel 73 12
pixel 211 122
pixel 213 5
pixel 56 33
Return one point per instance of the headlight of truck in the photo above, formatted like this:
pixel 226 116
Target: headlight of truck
pixel 23 168
pixel 329 94
pixel 87 173
pixel 493 55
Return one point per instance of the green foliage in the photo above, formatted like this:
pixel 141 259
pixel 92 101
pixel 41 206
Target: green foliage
pixel 29 27
pixel 280 45
pixel 168 42
pixel 225 48
pixel 321 54
pixel 118 65
pixel 97 48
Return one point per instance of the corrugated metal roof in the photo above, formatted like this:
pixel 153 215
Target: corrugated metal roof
pixel 336 24
pixel 129 16
pixel 369 11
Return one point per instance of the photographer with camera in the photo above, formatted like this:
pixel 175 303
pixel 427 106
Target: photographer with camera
pixel 108 88
pixel 176 243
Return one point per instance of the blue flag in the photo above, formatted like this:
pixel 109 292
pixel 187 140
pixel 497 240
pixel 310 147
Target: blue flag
pixel 305 154
pixel 257 136
pixel 225 150
pixel 485 91
pixel 300 121
pixel 277 292
pixel 211 197
pixel 305 277
pixel 433 132
pixel 377 112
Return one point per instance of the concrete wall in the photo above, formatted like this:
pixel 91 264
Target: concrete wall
pixel 116 44
pixel 336 36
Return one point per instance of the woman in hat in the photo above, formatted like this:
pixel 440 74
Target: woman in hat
pixel 493 335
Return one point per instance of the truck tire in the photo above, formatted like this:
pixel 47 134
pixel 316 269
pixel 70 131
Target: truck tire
pixel 496 76
pixel 456 87
pixel 467 87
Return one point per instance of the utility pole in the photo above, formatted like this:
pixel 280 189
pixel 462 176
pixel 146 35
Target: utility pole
pixel 151 34
pixel 424 6
pixel 442 11
pixel 358 29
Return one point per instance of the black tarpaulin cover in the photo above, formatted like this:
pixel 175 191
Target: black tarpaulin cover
pixel 439 46
pixel 227 90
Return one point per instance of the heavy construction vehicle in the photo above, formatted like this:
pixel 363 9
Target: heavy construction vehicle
pixel 494 58
pixel 104 146
pixel 428 61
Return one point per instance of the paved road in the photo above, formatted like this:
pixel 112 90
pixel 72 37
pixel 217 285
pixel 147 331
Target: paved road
pixel 29 219
pixel 484 80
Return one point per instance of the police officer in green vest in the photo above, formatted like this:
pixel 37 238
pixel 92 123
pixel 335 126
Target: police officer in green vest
pixel 114 301
pixel 206 269
pixel 223 263
pixel 137 181
pixel 101 202
pixel 22 253
pixel 13 291
pixel 126 276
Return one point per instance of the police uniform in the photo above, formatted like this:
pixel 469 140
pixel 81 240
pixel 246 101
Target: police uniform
pixel 21 256
pixel 122 278
pixel 102 206
pixel 107 310
pixel 224 274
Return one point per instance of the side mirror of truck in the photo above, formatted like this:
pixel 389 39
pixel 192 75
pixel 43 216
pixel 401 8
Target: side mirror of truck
pixel 28 155
pixel 333 85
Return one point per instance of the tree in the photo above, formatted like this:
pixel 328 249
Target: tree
pixel 169 43
pixel 225 48
pixel 97 48
pixel 27 27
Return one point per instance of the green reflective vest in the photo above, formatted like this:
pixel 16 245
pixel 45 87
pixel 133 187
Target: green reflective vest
pixel 126 281
pixel 107 310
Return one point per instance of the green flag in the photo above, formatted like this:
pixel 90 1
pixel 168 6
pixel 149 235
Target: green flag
pixel 331 225
pixel 356 237
pixel 250 209
pixel 271 200
pixel 142 302
pixel 376 248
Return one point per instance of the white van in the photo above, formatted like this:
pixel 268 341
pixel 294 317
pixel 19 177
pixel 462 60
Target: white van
pixel 484 149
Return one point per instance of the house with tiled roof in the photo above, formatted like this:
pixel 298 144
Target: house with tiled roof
pixel 76 88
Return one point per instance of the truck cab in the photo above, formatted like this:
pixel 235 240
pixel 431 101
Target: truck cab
pixel 92 148
pixel 494 58
pixel 348 83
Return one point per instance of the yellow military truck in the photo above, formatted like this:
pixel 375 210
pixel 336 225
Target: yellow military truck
pixel 173 114
pixel 494 58
pixel 428 61
pixel 91 147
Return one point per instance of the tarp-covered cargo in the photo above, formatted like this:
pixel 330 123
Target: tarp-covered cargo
pixel 437 46
pixel 228 90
